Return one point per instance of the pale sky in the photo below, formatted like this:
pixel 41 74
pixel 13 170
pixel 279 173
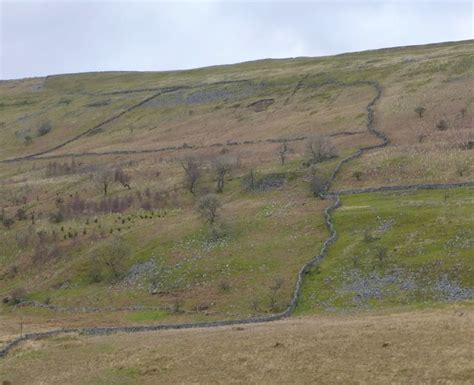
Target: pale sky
pixel 39 37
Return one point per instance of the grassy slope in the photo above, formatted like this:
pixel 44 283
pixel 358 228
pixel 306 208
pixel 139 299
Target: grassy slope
pixel 395 249
pixel 270 234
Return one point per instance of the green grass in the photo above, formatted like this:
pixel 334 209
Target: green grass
pixel 395 249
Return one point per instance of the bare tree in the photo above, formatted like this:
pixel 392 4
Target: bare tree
pixel 208 208
pixel 420 111
pixel 249 181
pixel 104 179
pixel 192 171
pixel 109 261
pixel 123 178
pixel 283 151
pixel 318 185
pixel 222 166
pixel 319 148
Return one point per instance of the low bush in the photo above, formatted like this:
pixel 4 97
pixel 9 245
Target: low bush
pixel 44 128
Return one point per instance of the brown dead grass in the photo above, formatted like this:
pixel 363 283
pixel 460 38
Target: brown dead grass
pixel 432 346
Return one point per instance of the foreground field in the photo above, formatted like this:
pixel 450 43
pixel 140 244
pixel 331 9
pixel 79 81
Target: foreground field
pixel 432 346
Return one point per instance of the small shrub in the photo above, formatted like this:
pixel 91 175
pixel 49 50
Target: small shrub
pixel 224 286
pixel 442 125
pixel 95 275
pixel 44 128
pixel 381 253
pixel 208 208
pixel 462 169
pixel 108 262
pixel 12 271
pixel 355 260
pixel 17 296
pixel 368 237
pixel 21 214
pixel 8 222
pixel 318 185
pixel 177 306
pixel 56 217
pixel 357 175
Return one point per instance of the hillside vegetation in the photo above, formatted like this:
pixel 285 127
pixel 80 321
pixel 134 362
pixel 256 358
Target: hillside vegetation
pixel 193 196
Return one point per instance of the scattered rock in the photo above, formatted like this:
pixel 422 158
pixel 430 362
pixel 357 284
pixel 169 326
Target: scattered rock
pixel 139 271
pixel 213 93
pixel 449 290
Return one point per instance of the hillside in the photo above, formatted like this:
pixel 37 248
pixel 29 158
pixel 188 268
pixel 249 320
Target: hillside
pixel 349 177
